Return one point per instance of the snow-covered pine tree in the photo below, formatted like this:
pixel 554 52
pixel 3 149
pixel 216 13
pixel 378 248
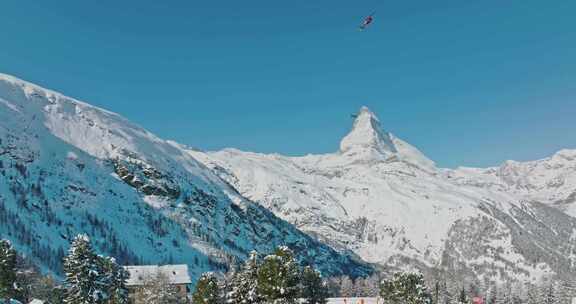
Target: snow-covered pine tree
pixel 84 280
pixel 244 289
pixel 226 284
pixel 408 288
pixel 278 277
pixel 206 290
pixel 115 277
pixel 270 278
pixel 314 290
pixel 7 270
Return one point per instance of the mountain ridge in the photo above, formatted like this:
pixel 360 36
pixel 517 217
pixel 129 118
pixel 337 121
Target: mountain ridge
pixel 67 167
pixel 383 199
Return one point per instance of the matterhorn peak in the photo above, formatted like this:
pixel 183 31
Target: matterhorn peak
pixel 367 136
pixel 369 141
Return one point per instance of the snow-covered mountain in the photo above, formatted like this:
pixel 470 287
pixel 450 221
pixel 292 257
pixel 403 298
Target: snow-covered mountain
pixel 67 167
pixel 383 199
pixel 551 180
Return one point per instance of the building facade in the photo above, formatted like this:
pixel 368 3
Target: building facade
pixel 148 276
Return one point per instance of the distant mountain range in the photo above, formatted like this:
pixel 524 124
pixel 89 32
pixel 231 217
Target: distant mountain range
pixel 383 199
pixel 67 167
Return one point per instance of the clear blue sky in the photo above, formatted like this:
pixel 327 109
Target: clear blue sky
pixel 468 82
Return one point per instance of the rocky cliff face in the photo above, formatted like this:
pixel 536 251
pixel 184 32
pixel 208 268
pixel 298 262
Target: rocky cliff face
pixel 67 167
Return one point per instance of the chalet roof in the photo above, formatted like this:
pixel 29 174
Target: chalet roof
pixel 176 274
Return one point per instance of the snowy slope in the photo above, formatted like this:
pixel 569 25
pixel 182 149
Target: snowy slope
pixel 551 180
pixel 383 199
pixel 67 167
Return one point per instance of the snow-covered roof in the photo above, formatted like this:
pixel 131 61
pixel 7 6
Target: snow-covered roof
pixel 354 300
pixel 176 274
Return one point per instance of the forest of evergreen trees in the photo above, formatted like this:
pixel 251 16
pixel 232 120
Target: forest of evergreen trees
pixel 275 278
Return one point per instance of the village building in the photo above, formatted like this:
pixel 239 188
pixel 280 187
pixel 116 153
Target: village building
pixel 175 275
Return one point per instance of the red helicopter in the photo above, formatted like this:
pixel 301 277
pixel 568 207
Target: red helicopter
pixel 367 21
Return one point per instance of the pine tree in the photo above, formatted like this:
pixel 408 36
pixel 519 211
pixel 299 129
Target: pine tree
pixel 278 277
pixel 84 280
pixel 206 290
pixel 115 277
pixel 314 290
pixel 244 289
pixel 8 288
pixel 405 288
pixel 227 283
